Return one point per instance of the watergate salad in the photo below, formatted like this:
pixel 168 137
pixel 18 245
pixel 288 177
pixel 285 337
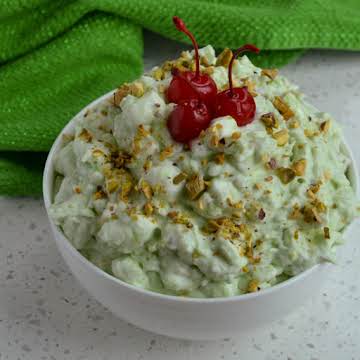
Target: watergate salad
pixel 235 209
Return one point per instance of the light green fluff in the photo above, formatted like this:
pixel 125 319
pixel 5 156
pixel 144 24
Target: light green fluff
pixel 165 248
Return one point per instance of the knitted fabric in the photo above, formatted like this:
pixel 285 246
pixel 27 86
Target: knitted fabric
pixel 57 56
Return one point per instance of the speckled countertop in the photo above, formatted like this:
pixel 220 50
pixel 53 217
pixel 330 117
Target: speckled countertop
pixel 45 314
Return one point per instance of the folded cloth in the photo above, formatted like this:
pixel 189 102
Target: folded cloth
pixel 57 56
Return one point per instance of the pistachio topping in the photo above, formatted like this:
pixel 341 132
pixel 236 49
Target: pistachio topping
pixel 281 137
pixel 299 167
pixel 286 175
pixel 270 73
pixel 179 178
pixel 224 58
pixel 85 135
pixel 195 185
pixel 283 108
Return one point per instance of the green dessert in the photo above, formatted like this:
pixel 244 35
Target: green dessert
pixel 235 210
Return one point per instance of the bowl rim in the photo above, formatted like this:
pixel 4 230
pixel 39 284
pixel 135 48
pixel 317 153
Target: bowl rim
pixel 60 237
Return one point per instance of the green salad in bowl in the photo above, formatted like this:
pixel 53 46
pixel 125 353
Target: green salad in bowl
pixel 235 209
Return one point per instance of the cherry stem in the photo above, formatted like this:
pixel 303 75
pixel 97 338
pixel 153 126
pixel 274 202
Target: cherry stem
pixel 247 47
pixel 180 25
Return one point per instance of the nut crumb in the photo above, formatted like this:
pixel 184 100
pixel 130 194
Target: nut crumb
pixel 270 73
pixel 158 74
pixel 299 167
pixel 220 158
pixel 148 209
pixel 286 175
pixel 296 234
pixel 224 58
pixel 179 178
pixel 308 133
pixel 85 135
pixel 325 126
pixel 272 164
pixel 311 215
pixel 136 89
pixel 326 232
pixel 261 214
pixel 295 212
pixel 195 186
pixel 281 137
pixel 269 121
pixel 253 286
pixel 167 152
pixel 146 189
pixel 294 124
pixel 283 108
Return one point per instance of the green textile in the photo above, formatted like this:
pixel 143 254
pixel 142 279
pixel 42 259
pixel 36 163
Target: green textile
pixel 57 56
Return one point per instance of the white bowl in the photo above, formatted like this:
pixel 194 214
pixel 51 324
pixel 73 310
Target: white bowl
pixel 187 318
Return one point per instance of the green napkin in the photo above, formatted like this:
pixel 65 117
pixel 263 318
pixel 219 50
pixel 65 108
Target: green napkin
pixel 57 56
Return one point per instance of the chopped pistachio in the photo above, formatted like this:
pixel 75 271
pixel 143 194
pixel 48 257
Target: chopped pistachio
pixel 308 133
pixel 294 124
pixel 98 153
pixel 270 73
pixel 85 135
pixel 158 74
pixel 67 138
pixel 325 126
pixel 147 165
pixel 112 185
pixel 99 194
pixel 195 186
pixel 261 214
pixel 220 158
pixel 272 164
pixel 167 152
pixel 299 167
pixel 311 215
pixel 209 70
pixel 253 286
pixel 296 234
pixel 224 58
pixel 148 209
pixel 269 120
pixel 326 232
pixel 178 218
pixel 281 137
pixel 283 108
pixel 319 205
pixel 286 175
pixel 295 212
pixel 179 178
pixel 215 141
pixel 126 188
pixel 146 189
pixel 137 89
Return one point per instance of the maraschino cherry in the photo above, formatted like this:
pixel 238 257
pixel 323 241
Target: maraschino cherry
pixel 187 120
pixel 237 102
pixel 189 85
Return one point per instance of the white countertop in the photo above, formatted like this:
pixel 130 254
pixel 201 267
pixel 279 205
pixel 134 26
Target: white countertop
pixel 45 314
